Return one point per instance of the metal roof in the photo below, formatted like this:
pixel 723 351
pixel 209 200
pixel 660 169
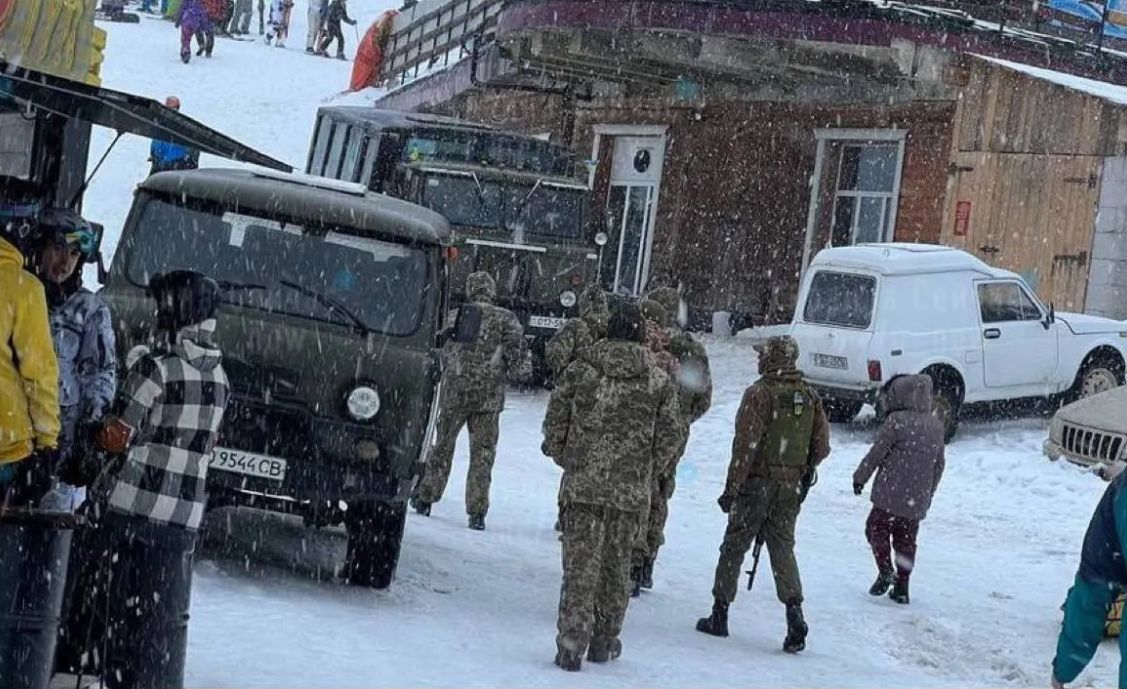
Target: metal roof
pixel 395 118
pixel 903 259
pixel 293 196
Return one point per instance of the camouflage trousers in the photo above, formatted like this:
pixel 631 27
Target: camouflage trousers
pixel 651 532
pixel 483 428
pixel 770 507
pixel 596 573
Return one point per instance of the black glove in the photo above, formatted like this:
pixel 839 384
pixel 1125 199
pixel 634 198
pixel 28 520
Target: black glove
pixel 858 488
pixel 725 501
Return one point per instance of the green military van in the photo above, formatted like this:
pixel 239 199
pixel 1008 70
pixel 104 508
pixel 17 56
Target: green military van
pixel 330 329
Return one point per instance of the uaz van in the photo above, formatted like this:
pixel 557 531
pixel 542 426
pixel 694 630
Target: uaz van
pixel 333 301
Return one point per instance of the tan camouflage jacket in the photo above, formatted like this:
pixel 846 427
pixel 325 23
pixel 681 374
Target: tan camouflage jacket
pixel 612 423
pixel 475 373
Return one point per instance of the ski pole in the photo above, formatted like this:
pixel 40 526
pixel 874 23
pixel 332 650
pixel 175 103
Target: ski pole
pixel 755 560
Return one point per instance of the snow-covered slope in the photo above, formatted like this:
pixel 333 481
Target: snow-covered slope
pixel 997 553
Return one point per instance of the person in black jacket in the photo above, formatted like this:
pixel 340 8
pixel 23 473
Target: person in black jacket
pixel 338 12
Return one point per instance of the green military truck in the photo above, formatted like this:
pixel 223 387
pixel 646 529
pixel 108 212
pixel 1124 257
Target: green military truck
pixel 514 204
pixel 334 301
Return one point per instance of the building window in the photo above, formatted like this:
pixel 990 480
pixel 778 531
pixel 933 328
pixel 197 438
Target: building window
pixel 866 184
pixel 856 188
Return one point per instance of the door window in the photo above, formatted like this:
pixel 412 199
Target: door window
pixel 840 299
pixel 631 204
pixel 1006 302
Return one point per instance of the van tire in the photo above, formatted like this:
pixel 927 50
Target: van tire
pixel 375 534
pixel 946 399
pixel 841 411
pixel 1100 371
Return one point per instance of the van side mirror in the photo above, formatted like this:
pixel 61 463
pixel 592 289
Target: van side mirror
pixel 1051 317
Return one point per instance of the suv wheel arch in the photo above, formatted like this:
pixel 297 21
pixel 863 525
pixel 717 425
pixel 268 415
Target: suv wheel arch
pixel 1102 369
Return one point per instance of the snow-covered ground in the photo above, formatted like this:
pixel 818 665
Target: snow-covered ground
pixel 997 553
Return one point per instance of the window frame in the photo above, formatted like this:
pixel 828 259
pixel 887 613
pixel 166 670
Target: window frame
pixel 1022 290
pixel 859 136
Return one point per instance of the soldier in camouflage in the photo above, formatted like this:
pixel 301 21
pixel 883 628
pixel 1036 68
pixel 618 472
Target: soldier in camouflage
pixel 473 394
pixel 781 436
pixel 577 333
pixel 686 360
pixel 611 424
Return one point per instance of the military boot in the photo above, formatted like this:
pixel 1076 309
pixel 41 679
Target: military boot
pixel 635 581
pixel 715 624
pixel 572 661
pixel 421 506
pixel 477 522
pixel 796 629
pixel 648 573
pixel 899 592
pixel 882 584
pixel 603 649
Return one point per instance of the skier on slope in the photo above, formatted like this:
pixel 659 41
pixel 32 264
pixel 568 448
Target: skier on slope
pixel 316 18
pixel 192 20
pixel 279 22
pixel 337 13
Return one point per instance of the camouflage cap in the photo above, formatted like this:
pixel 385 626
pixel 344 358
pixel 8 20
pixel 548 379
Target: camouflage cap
pixel 669 299
pixel 779 348
pixel 481 287
pixel 654 311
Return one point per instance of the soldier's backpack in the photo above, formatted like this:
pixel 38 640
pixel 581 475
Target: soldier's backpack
pixel 468 324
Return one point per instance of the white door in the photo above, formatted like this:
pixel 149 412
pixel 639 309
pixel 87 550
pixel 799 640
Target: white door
pixel 631 207
pixel 1017 349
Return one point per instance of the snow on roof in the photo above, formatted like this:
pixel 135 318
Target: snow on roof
pixel 1100 89
pixel 902 258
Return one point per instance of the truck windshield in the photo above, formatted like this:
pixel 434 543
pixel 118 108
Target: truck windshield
pixel 545 210
pixel 841 299
pixel 315 272
pixel 527 210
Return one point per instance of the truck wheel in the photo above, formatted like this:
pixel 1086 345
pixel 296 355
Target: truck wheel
pixel 946 400
pixel 841 411
pixel 1099 373
pixel 375 534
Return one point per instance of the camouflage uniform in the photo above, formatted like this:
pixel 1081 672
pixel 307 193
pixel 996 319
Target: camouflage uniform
pixel 577 333
pixel 781 435
pixel 473 395
pixel 611 424
pixel 686 360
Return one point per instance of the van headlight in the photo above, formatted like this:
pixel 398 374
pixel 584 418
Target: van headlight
pixel 363 403
pixel 567 299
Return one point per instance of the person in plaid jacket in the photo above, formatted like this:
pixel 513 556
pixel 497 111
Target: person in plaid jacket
pixel 150 503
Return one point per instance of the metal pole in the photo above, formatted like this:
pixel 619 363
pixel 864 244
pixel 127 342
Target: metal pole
pixel 1103 23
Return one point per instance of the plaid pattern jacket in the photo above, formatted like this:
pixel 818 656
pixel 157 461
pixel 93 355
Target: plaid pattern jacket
pixel 174 402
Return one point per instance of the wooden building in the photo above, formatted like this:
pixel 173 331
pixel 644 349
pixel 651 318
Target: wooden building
pixel 727 142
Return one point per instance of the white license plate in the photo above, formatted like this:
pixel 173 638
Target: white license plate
pixel 827 361
pixel 248 463
pixel 546 322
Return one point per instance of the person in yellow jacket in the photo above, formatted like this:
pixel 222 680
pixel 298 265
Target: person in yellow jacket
pixel 29 374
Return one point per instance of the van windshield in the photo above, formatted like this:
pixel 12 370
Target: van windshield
pixel 312 271
pixel 841 299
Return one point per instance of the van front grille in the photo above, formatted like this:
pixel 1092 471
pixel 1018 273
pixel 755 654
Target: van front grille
pixel 1092 445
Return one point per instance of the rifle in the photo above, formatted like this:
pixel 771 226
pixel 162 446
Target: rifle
pixel 755 559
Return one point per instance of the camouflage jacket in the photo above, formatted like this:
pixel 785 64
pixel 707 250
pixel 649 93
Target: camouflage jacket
pixel 475 373
pixel 693 375
pixel 612 422
pixel 753 421
pixel 578 333
pixel 565 345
